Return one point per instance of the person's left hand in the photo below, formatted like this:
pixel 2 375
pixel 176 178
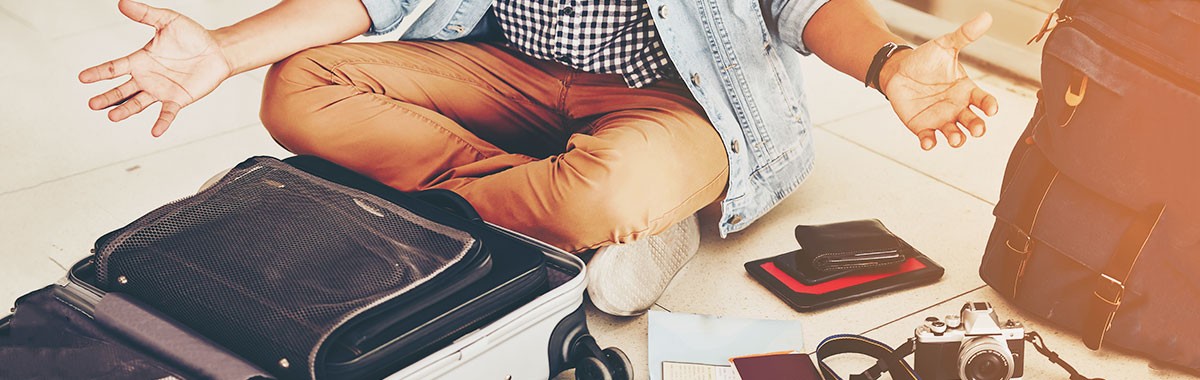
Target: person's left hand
pixel 930 91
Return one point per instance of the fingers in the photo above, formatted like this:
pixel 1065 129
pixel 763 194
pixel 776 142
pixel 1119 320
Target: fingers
pixel 156 17
pixel 953 134
pixel 106 70
pixel 165 117
pixel 972 122
pixel 968 32
pixel 131 107
pixel 984 101
pixel 113 96
pixel 928 139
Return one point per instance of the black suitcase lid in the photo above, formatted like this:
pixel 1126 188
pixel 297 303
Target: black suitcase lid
pixel 258 262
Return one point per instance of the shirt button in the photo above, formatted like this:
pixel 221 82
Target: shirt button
pixel 735 219
pixel 696 79
pixel 735 146
pixel 567 11
pixel 662 11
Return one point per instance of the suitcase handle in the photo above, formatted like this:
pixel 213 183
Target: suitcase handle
pixel 449 200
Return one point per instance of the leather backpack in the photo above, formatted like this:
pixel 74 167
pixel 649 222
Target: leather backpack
pixel 1098 224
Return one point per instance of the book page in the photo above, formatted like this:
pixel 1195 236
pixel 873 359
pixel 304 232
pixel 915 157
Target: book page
pixel 693 371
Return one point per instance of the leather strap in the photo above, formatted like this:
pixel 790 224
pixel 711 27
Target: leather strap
pixel 1040 345
pixel 1020 240
pixel 887 359
pixel 1110 284
pixel 881 57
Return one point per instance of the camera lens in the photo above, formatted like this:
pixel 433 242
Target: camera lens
pixel 987 365
pixel 984 358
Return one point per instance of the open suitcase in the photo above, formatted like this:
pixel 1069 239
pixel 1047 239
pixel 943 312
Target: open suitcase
pixel 519 316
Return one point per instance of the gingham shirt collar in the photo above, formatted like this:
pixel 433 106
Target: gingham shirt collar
pixel 597 36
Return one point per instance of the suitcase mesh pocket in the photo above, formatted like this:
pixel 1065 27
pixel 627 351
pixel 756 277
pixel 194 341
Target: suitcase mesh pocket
pixel 271 260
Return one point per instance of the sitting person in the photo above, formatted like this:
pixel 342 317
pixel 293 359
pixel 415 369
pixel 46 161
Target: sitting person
pixel 586 124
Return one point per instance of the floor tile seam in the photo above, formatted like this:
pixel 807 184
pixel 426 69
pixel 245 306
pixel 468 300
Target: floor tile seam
pixel 130 159
pixel 923 309
pixel 55 261
pixel 5 11
pixel 851 115
pixel 910 167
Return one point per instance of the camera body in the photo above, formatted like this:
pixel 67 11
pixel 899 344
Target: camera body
pixel 973 345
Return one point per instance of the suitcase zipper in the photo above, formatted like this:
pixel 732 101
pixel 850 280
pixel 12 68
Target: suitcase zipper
pixel 490 306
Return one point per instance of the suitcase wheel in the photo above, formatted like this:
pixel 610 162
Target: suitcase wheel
pixel 592 368
pixel 592 363
pixel 618 363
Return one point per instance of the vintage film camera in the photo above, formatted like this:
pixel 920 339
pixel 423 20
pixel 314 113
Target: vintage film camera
pixel 971 346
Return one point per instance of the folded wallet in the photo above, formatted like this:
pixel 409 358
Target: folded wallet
pixel 848 283
pixel 840 249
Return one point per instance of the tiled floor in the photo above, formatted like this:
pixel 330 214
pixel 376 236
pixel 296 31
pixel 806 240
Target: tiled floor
pixel 69 175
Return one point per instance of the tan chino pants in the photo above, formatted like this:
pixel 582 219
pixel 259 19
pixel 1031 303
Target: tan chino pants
pixel 575 159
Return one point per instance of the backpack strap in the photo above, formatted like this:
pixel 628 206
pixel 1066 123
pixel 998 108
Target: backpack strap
pixel 1110 284
pixel 1036 175
pixel 887 359
pixel 1020 240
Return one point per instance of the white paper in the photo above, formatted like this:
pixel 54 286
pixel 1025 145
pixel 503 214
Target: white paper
pixel 693 371
pixel 702 339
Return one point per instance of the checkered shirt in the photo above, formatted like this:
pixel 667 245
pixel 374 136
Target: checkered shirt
pixel 596 36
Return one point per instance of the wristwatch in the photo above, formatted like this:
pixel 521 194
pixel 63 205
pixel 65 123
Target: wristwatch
pixel 886 52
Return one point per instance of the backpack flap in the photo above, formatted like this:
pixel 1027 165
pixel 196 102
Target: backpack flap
pixel 1121 105
pixel 1066 253
pixel 1048 223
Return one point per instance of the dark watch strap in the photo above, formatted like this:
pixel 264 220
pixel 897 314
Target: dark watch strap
pixel 886 52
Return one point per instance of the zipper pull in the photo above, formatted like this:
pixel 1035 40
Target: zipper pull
pixel 1073 97
pixel 1047 27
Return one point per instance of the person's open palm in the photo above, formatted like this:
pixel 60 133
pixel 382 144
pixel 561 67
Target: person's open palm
pixel 181 64
pixel 931 92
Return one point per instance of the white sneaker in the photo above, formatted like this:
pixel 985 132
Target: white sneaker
pixel 626 279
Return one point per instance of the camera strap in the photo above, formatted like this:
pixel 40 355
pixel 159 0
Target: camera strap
pixel 886 358
pixel 1040 345
pixel 892 360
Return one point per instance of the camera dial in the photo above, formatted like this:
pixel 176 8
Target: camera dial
pixel 938 327
pixel 929 322
pixel 953 321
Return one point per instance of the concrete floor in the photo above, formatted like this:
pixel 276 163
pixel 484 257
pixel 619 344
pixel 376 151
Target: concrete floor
pixel 70 176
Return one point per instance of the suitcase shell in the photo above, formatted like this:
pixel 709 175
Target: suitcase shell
pixel 536 341
pixel 501 349
pixel 511 347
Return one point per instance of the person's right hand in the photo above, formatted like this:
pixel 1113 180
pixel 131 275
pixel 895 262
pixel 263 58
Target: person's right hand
pixel 180 65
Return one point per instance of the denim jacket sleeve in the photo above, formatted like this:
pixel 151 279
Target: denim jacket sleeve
pixel 387 14
pixel 790 17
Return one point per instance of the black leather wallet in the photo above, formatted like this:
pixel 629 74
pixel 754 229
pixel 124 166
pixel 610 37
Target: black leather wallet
pixel 842 262
pixel 836 250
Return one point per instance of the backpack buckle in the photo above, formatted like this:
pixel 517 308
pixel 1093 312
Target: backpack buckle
pixel 1109 289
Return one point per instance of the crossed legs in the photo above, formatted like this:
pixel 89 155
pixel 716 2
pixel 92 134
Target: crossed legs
pixel 577 160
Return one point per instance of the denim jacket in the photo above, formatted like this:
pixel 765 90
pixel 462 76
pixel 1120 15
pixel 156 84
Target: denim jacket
pixel 738 57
